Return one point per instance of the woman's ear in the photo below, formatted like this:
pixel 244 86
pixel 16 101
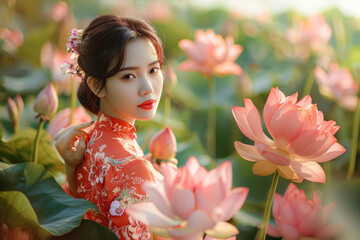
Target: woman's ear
pixel 95 87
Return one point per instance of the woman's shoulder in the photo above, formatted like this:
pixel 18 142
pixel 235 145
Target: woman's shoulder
pixel 116 141
pixel 142 167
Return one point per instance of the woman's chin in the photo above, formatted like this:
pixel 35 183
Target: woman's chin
pixel 146 118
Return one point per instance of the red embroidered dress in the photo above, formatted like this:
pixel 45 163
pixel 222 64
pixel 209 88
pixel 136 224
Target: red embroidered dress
pixel 111 176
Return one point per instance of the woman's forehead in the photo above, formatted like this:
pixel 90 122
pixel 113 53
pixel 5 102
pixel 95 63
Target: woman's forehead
pixel 139 51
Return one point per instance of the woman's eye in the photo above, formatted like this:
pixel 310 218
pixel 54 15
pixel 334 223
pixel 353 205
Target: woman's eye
pixel 154 70
pixel 128 77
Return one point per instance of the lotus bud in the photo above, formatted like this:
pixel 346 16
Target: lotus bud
pixel 47 101
pixel 170 79
pixel 13 38
pixel 13 111
pixel 19 103
pixel 163 144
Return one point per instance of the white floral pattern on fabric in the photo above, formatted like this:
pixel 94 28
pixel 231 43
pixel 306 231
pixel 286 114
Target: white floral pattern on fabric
pixel 116 209
pixel 138 229
pixel 99 169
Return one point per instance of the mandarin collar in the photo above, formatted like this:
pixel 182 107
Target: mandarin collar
pixel 105 121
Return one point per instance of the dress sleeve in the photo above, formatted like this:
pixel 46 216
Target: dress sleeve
pixel 124 185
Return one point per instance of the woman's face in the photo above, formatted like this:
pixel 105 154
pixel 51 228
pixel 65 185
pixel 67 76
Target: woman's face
pixel 134 92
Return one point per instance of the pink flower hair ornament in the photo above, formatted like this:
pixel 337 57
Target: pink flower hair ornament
pixel 74 41
pixel 72 47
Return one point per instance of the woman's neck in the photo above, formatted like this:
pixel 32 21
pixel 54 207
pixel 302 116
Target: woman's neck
pixel 112 113
pixel 117 116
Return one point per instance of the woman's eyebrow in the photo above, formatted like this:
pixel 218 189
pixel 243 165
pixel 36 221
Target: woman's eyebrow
pixel 154 62
pixel 134 68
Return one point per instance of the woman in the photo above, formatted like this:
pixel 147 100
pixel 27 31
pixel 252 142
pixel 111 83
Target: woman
pixel 120 62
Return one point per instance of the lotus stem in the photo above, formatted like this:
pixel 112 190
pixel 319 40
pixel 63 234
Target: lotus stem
pixel 268 205
pixel 354 142
pixel 211 126
pixel 308 84
pixel 16 127
pixel 37 139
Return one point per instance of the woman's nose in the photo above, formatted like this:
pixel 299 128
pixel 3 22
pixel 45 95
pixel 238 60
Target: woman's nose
pixel 146 87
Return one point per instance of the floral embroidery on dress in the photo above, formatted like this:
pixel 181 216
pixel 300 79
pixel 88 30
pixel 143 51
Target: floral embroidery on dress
pixel 116 209
pixel 137 180
pixel 135 231
pixel 99 167
pixel 104 193
pixel 109 122
pixel 116 190
pixel 96 135
pixel 138 229
pixel 80 176
pixel 127 197
pixel 111 176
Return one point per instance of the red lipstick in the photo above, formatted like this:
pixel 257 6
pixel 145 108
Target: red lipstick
pixel 147 105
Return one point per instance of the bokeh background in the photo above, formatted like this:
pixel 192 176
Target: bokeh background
pixel 33 34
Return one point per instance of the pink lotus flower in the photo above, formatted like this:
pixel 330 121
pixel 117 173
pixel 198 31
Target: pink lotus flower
pixel 338 84
pixel 301 139
pixel 59 11
pixel 313 32
pixel 157 11
pixel 62 119
pixel 13 38
pixel 163 144
pixel 46 101
pixel 298 217
pixel 191 201
pixel 211 54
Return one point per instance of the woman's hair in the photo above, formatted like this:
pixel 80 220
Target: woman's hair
pixel 102 52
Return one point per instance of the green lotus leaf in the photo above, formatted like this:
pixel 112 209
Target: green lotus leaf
pixel 16 210
pixel 57 212
pixel 88 230
pixel 19 149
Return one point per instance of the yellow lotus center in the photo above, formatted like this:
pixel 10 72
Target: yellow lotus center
pixel 281 149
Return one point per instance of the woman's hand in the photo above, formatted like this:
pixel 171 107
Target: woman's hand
pixel 70 143
pixel 72 150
